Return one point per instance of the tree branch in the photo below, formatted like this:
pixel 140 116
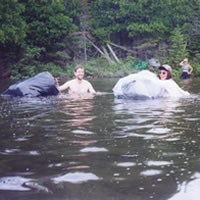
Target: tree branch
pixel 104 54
pixel 113 53
pixel 121 47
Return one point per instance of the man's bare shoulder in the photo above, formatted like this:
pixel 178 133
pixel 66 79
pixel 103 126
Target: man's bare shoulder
pixel 86 82
pixel 70 82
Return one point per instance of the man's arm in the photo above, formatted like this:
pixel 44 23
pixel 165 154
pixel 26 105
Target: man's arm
pixel 63 87
pixel 90 88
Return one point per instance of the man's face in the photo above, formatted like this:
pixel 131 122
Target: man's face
pixel 79 73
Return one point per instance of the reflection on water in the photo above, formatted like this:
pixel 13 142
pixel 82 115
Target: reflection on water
pixel 76 109
pixel 76 177
pixel 188 189
pixel 13 183
pixel 98 147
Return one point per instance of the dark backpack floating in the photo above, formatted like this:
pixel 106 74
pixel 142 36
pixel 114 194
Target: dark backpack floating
pixel 42 84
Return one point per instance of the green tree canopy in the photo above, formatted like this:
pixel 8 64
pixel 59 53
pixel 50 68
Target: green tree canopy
pixel 12 25
pixel 140 17
pixel 47 22
pixel 177 51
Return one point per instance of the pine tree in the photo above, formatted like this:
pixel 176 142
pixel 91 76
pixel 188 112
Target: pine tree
pixel 177 51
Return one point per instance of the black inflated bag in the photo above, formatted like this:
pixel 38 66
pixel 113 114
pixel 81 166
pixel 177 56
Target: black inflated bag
pixel 42 84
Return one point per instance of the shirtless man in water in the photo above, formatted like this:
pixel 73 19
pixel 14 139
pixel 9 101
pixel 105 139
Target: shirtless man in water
pixel 77 85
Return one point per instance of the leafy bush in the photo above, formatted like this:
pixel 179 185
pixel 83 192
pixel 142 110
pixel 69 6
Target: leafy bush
pixel 100 67
pixel 30 65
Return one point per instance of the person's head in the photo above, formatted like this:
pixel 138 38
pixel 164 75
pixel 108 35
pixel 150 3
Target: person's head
pixel 165 72
pixel 79 72
pixel 185 61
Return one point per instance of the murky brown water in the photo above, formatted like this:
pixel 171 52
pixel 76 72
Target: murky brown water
pixel 102 148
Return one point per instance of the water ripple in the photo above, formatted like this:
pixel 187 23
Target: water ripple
pixel 76 177
pixel 93 149
pixel 15 183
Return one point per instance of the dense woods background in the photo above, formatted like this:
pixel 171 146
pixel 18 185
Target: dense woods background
pixel 107 36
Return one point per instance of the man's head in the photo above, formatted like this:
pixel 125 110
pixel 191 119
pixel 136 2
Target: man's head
pixel 78 67
pixel 79 72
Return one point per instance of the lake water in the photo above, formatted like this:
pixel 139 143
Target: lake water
pixel 100 148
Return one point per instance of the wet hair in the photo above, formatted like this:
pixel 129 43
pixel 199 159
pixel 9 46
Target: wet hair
pixel 169 74
pixel 78 67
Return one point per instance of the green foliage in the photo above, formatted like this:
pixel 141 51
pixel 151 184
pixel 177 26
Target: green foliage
pixel 195 64
pixel 29 65
pixel 69 70
pixel 191 29
pixel 105 17
pixel 141 17
pixel 36 34
pixel 176 73
pixel 72 10
pixel 177 51
pixel 100 67
pixel 12 25
pixel 52 68
pixel 47 22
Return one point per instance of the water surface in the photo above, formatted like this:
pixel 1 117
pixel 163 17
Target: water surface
pixel 99 147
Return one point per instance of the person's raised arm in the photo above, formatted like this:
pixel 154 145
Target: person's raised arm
pixel 181 63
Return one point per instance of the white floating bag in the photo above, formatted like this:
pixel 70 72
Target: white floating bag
pixel 141 85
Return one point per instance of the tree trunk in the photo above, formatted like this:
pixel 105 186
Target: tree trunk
pixel 113 53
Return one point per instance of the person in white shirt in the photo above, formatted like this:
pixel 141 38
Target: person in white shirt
pixel 170 86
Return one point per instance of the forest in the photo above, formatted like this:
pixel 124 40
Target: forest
pixel 106 36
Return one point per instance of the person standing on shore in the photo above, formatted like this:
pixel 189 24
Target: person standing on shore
pixel 187 69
